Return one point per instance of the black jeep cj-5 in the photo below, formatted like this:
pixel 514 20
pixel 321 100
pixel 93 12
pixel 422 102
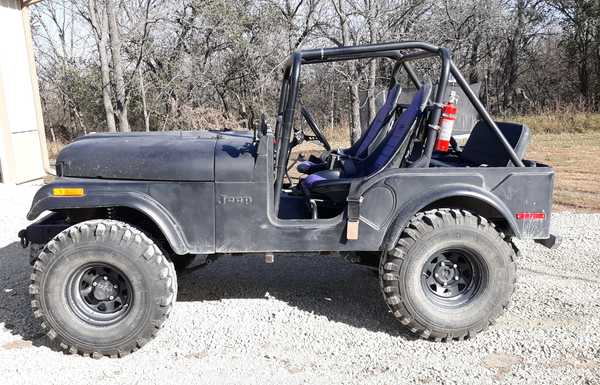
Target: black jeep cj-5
pixel 127 209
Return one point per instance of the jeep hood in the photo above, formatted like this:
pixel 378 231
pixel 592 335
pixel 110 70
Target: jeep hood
pixel 170 156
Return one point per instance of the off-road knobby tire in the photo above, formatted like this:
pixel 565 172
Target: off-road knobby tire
pixel 153 282
pixel 400 271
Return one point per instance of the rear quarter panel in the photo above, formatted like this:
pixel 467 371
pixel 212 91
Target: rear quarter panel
pixel 508 190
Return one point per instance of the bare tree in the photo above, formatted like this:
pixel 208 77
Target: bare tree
pixel 353 70
pixel 100 28
pixel 117 61
pixel 581 20
pixel 167 64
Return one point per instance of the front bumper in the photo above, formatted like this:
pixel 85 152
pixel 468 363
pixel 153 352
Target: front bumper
pixel 42 230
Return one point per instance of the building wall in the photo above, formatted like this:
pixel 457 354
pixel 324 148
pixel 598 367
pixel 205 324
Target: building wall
pixel 22 143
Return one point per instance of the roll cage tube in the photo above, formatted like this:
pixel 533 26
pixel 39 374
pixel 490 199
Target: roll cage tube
pixel 292 76
pixel 434 117
pixel 416 51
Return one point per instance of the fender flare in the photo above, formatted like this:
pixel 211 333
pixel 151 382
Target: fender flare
pixel 418 203
pixel 96 196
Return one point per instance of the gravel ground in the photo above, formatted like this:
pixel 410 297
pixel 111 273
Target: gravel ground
pixel 319 320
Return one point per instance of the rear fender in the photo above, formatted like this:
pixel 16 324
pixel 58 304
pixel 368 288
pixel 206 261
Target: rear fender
pixel 113 194
pixel 428 200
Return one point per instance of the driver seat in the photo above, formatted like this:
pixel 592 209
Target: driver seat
pixel 333 184
pixel 360 149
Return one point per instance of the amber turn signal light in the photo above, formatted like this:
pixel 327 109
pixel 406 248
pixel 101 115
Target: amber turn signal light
pixel 68 192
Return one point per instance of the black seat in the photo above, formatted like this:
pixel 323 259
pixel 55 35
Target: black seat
pixel 333 183
pixel 360 149
pixel 484 148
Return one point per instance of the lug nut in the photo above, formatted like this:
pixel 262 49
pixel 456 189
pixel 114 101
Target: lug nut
pixel 455 266
pixel 437 275
pixel 95 284
pixel 105 278
pixel 111 297
pixel 115 286
pixel 456 277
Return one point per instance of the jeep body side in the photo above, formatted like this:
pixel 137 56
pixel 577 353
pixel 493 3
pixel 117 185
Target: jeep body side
pixel 437 229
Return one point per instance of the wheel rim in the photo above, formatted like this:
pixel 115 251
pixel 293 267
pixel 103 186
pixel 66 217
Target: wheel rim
pixel 453 277
pixel 99 294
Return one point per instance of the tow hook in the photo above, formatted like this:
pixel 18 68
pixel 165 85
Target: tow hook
pixel 552 242
pixel 24 240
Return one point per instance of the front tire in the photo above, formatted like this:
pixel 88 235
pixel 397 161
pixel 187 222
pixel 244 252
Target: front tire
pixel 450 275
pixel 102 288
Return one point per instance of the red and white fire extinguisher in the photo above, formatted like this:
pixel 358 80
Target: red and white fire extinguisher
pixel 447 120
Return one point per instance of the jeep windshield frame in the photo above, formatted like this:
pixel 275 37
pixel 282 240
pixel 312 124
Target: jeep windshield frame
pixel 403 53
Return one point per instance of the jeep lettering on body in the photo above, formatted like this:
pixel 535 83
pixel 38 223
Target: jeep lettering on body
pixel 229 199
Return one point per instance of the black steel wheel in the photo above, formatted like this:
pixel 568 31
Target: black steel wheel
pixel 450 275
pixel 453 277
pixel 102 288
pixel 99 293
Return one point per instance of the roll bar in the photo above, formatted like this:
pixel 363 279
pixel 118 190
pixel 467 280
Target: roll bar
pixel 403 53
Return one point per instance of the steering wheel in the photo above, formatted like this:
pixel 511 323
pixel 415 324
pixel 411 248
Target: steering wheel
pixel 315 128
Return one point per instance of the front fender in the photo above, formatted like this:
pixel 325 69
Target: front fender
pixel 100 193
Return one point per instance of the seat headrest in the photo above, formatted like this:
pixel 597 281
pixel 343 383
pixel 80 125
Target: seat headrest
pixel 379 121
pixel 426 90
pixel 393 141
pixel 484 147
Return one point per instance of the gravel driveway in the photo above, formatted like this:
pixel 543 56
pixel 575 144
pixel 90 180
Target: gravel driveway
pixel 319 320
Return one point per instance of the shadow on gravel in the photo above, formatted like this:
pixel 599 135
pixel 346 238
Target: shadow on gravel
pixel 323 285
pixel 15 308
pixel 326 286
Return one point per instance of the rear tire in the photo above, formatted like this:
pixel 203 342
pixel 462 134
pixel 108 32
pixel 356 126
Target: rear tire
pixel 450 275
pixel 102 288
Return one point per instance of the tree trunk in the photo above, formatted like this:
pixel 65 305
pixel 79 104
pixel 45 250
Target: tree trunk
pixel 584 42
pixel 101 36
pixel 371 93
pixel 144 105
pixel 474 59
pixel 119 81
pixel 597 49
pixel 355 100
pixel 511 61
pixel 332 87
pixel 584 83
pixel 355 130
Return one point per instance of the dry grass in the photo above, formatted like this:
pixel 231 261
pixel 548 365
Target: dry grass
pixel 560 122
pixel 576 160
pixel 338 137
